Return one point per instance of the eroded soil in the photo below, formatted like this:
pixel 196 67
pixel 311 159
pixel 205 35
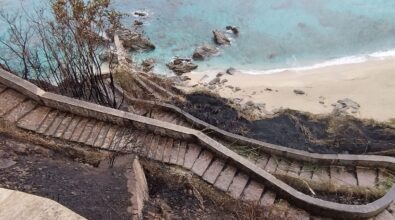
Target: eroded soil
pixel 94 193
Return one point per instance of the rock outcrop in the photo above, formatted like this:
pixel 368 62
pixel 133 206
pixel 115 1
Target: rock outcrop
pixel 220 38
pixel 135 41
pixel 235 30
pixel 204 51
pixel 180 66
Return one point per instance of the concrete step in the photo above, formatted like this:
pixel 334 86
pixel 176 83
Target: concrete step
pixel 20 111
pixel 9 99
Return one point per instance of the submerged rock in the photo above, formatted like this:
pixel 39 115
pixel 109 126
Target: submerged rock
pixel 140 13
pixel 180 66
pixel 231 71
pixel 138 23
pixel 220 38
pixel 135 41
pixel 235 30
pixel 204 51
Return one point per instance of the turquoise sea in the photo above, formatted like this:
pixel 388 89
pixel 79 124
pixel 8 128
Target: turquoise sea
pixel 274 34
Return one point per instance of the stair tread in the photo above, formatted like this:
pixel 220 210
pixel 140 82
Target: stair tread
pixel 87 131
pixel 253 191
pixel 33 120
pixel 55 124
pixel 63 126
pixel 182 153
pixel 238 184
pixel 191 155
pixel 213 171
pixel 225 178
pixel 94 133
pixel 9 99
pixel 70 129
pixel 102 135
pixel 47 122
pixel 109 137
pixel 21 110
pixel 202 162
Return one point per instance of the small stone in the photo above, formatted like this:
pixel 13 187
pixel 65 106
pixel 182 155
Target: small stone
pixel 268 89
pixel 215 81
pixel 237 89
pixel 250 103
pixel 299 92
pixel 322 102
pixel 224 81
pixel 220 74
pixel 212 87
pixel 230 87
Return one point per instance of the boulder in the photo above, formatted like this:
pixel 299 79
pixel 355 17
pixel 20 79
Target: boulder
pixel 235 30
pixel 204 51
pixel 216 80
pixel 220 38
pixel 135 41
pixel 180 66
pixel 220 74
pixel 148 64
pixel 140 13
pixel 345 106
pixel 231 71
pixel 299 92
pixel 224 81
pixel 138 23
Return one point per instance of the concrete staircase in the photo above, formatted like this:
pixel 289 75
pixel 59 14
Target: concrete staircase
pixel 203 156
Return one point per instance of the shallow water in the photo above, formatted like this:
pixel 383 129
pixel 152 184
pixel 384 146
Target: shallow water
pixel 273 34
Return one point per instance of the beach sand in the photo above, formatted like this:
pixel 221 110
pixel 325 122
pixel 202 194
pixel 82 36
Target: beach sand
pixel 371 84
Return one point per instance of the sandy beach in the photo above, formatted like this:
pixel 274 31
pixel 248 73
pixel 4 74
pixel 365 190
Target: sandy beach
pixel 370 84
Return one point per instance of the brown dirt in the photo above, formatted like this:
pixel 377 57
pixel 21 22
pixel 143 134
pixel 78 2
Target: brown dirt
pixel 95 193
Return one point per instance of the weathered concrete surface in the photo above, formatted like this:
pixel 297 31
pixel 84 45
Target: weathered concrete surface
pixel 19 205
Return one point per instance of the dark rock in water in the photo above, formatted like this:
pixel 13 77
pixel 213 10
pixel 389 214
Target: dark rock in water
pixel 231 71
pixel 220 38
pixel 140 13
pixel 204 51
pixel 108 56
pixel 180 66
pixel 299 92
pixel 134 40
pixel 138 23
pixel 234 29
pixel 148 64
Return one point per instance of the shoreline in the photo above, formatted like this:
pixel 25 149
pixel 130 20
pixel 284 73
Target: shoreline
pixel 371 84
